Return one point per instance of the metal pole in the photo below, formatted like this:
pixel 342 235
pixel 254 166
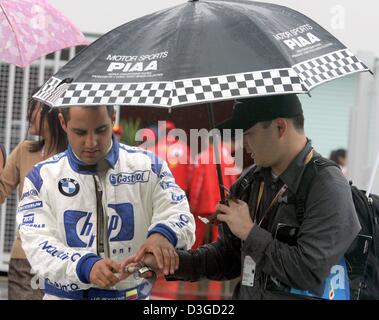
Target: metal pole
pixel 7 143
pixel 373 146
pixel 24 103
pixel 8 125
pixel 359 131
pixel 216 143
pixel 57 61
pixel 71 53
pixel 117 120
pixel 41 71
pixel 373 175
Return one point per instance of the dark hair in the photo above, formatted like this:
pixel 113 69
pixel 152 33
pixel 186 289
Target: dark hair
pixel 298 122
pixel 58 136
pixel 335 155
pixel 266 124
pixel 66 112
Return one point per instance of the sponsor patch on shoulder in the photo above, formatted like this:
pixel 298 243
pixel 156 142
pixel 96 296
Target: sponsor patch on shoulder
pixel 165 174
pixel 168 184
pixel 177 198
pixel 28 218
pixel 29 193
pixel 29 206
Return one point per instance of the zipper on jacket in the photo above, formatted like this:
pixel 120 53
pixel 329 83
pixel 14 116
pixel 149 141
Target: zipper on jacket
pixel 102 221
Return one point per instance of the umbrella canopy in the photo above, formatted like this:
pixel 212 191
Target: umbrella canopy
pixel 30 29
pixel 202 51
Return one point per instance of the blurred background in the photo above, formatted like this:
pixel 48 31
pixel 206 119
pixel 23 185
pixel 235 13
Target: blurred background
pixel 342 114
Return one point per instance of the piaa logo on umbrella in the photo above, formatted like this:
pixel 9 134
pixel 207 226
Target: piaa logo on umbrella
pixel 299 37
pixel 129 64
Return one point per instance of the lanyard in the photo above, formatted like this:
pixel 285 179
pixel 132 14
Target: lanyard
pixel 277 196
pixel 272 204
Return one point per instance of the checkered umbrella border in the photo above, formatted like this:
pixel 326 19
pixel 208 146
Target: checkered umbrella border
pixel 301 78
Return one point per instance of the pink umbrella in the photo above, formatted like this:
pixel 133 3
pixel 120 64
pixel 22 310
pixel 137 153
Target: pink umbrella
pixel 30 29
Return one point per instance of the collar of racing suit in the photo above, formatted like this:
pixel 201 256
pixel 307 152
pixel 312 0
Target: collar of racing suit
pixel 83 168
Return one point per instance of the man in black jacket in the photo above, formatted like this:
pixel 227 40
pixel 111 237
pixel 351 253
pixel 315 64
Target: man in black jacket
pixel 277 254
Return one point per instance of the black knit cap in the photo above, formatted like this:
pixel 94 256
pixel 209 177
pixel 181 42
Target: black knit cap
pixel 248 112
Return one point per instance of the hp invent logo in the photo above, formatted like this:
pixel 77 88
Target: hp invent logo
pixel 80 226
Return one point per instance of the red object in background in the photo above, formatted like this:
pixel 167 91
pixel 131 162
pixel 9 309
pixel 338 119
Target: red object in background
pixel 204 190
pixel 180 290
pixel 178 160
pixel 202 186
pixel 177 156
pixel 117 130
pixel 203 197
pixel 165 290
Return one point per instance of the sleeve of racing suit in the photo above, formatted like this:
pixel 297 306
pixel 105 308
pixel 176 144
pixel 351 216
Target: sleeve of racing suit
pixel 171 215
pixel 48 256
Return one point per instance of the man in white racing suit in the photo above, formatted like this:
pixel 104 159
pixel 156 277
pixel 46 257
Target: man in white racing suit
pixel 86 209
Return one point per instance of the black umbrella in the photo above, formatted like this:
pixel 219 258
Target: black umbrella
pixel 201 52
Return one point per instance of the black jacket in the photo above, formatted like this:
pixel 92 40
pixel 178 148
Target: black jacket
pixel 330 225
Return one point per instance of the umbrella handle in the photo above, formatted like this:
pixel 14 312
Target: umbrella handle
pixel 217 155
pixel 218 168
